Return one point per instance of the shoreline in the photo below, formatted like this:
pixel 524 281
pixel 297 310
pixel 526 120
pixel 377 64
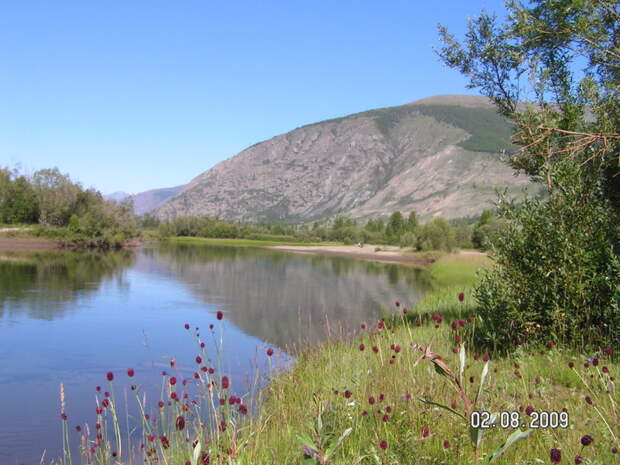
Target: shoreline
pixel 388 254
pixel 8 244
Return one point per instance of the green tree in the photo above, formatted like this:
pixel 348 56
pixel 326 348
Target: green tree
pixel 557 268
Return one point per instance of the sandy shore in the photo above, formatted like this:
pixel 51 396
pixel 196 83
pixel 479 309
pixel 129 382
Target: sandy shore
pixel 26 243
pixel 387 254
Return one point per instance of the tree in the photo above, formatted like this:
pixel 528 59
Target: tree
pixel 557 265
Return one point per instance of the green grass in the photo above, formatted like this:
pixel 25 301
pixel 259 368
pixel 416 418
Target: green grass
pixel 245 242
pixel 320 411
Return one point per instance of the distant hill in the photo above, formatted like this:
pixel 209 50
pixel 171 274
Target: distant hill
pixel 144 202
pixel 436 156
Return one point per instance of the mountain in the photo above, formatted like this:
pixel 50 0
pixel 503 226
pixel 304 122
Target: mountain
pixel 436 156
pixel 144 202
pixel 116 196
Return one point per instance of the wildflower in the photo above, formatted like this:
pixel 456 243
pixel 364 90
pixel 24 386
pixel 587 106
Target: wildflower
pixel 608 351
pixel 454 325
pixel 105 402
pixel 98 410
pixel 406 396
pixel 461 296
pixel 550 345
pixel 371 400
pixel 269 352
pixel 425 432
pixel 476 356
pixel 555 455
pixel 383 444
pixel 243 409
pixel 78 428
pixel 186 326
pixel 211 371
pixel 537 380
pixel 397 349
pixel 211 326
pixel 363 325
pixel 364 413
pixel 222 426
pixel 348 394
pixel 605 369
pixel 174 396
pixel 172 381
pixel 110 376
pixel 595 361
pixel 588 400
pixel 397 303
pixel 180 423
pixel 198 359
pixel 529 410
pixel 380 325
pixel 63 416
pixel 381 397
pixel 386 418
pixel 220 315
pixel 130 372
pixel 462 323
pixel 202 345
pixel 586 440
pixel 375 349
pixel 362 347
pixel 571 364
pixel 98 388
pixel 486 357
pixel 578 459
pixel 446 444
pixel 165 443
pixel 160 404
pixel 225 382
pixel 457 339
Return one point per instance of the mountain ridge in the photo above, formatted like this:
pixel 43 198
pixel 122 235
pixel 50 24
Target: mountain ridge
pixel 437 156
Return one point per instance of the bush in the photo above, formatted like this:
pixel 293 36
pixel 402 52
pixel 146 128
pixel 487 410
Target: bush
pixel 557 269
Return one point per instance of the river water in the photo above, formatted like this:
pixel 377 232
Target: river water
pixel 70 317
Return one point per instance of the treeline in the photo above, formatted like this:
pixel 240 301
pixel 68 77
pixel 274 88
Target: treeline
pixel 406 232
pixel 64 209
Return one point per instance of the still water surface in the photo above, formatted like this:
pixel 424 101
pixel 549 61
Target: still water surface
pixel 69 317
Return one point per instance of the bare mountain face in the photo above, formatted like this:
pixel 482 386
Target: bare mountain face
pixel 145 202
pixel 437 156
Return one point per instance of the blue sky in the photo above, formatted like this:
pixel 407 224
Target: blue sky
pixel 135 95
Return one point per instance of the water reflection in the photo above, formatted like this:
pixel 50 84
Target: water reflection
pixel 43 285
pixel 286 298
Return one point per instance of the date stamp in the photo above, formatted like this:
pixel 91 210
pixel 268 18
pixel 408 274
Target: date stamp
pixel 514 419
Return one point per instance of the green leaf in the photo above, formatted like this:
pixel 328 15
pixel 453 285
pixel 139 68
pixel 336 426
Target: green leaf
pixel 483 377
pixel 333 447
pixel 306 441
pixel 445 407
pixel 512 439
pixel 196 454
pixel 462 360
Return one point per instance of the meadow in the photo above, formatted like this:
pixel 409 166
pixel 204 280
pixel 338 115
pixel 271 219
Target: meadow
pixel 402 391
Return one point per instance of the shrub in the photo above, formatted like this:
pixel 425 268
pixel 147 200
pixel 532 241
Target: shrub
pixel 557 273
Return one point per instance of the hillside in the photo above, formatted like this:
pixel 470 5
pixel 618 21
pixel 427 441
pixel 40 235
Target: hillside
pixel 437 156
pixel 146 201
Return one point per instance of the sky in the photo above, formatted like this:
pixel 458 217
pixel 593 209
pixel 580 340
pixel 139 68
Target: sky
pixel 142 94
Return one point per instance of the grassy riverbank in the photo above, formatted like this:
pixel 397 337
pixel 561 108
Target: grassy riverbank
pixel 243 242
pixel 373 399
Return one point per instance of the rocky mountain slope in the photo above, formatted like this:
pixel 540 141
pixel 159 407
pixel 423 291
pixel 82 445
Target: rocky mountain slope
pixel 437 156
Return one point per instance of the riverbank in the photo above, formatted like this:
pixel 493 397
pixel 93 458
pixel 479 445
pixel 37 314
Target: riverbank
pixel 26 243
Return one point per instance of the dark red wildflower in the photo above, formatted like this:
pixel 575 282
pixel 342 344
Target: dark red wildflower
pixel 203 369
pixel 608 351
pixel 211 371
pixel 550 345
pixel 588 400
pixel 397 303
pixel 165 443
pixel 130 372
pixel 381 397
pixel 98 388
pixel 457 339
pixel 219 315
pixel 269 352
pixel 98 410
pixel 454 325
pixel 529 409
pixel 198 359
pixel 605 369
pixel 571 364
pixel 364 413
pixel 397 349
pixel 476 356
pixel 383 445
pixel 225 382
pixel 586 440
pixel 107 394
pixel 371 400
pixel 486 357
pixel 78 428
pixel 595 362
pixel 446 444
pixel 105 402
pixel 380 325
pixel 186 326
pixel 243 410
pixel 348 394
pixel 202 345
pixel 578 459
pixel 425 432
pixel 211 326
pixel 110 376
pixel 180 423
pixel 462 323
pixel 386 418
pixel 363 325
pixel 174 396
pixel 63 416
pixel 172 381
pixel 160 404
pixel 362 347
pixel 555 455
pixel 222 426
pixel 375 349
pixel 461 296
